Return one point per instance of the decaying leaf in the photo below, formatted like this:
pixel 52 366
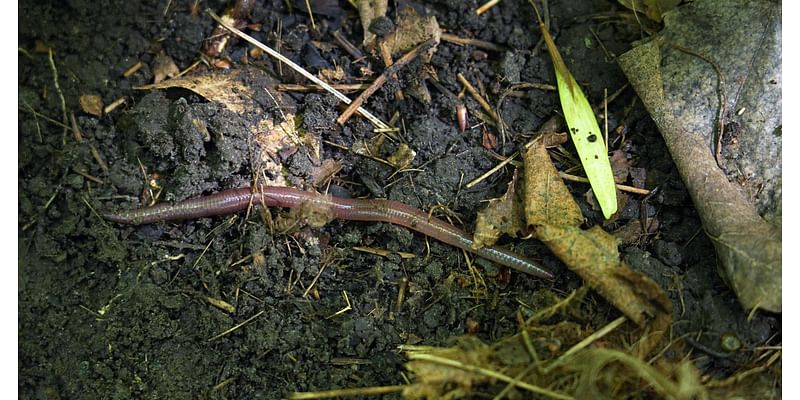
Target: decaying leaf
pixel 682 94
pixel 622 201
pixel 413 29
pixel 501 216
pixel 326 171
pixel 679 381
pixel 592 253
pixel 654 9
pixel 632 232
pixel 553 139
pixel 402 157
pixel 276 139
pixel 164 67
pixel 332 74
pixel 225 88
pixel 370 147
pixel 620 165
pixel 549 363
pixel 275 142
pixel 547 200
pixel 92 104
pixel 313 214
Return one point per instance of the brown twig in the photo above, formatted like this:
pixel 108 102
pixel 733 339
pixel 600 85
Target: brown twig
pixel 377 83
pixel 347 46
pixel 386 55
pixel 88 176
pixel 311 15
pixel 76 133
pixel 343 87
pixel 482 44
pixel 477 96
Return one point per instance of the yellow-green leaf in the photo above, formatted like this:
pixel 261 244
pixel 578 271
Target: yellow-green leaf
pixel 584 131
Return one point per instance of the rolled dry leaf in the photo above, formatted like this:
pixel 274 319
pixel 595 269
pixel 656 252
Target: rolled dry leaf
pixel 681 91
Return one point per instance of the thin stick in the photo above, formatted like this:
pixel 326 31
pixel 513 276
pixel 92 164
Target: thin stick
pixel 76 130
pixel 347 46
pixel 237 326
pixel 386 55
pixel 563 175
pixel 492 171
pixel 99 158
pixel 114 104
pixel 367 391
pixel 377 83
pixel 605 115
pixel 45 207
pixel 60 94
pixel 477 96
pixel 375 120
pixel 625 188
pixel 486 6
pixel 132 70
pixel 311 15
pixel 87 176
pixel 344 87
pixel 42 116
pixel 481 44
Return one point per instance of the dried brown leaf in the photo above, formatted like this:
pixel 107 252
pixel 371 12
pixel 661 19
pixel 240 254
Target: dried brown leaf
pixel 591 253
pixel 501 216
pixel 273 140
pixel 547 200
pixel 326 171
pixel 219 86
pixel 402 157
pixel 164 67
pixel 620 166
pixel 413 29
pixel 632 232
pixel 682 94
pixel 332 74
pixel 92 104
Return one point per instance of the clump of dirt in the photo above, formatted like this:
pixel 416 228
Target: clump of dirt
pixel 109 311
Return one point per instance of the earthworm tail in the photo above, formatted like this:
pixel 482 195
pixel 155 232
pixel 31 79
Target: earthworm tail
pixel 389 211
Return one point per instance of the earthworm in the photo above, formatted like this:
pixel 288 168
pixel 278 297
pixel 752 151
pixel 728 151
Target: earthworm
pixel 378 210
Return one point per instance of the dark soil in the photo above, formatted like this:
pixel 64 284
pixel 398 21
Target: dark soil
pixel 109 311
